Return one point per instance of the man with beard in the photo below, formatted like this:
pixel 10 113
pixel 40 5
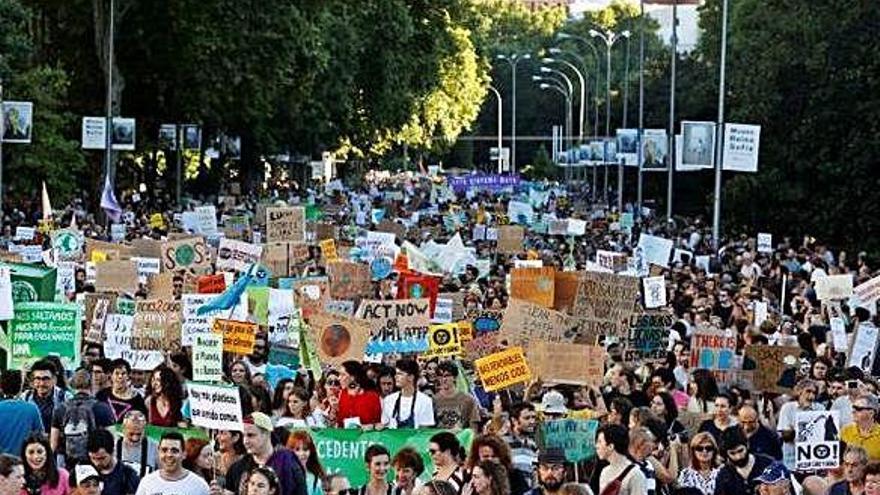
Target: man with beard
pixel 738 476
pixel 521 439
pixel 762 440
pixel 551 472
pixel 258 359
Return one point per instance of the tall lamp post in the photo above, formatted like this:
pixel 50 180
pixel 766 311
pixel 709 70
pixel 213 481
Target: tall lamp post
pixel 609 37
pixel 555 84
pixel 500 113
pixel 719 154
pixel 569 127
pixel 513 59
pixel 550 60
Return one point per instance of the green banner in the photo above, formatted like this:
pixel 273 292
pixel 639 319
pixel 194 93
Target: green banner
pixel 342 451
pixel 577 437
pixel 40 329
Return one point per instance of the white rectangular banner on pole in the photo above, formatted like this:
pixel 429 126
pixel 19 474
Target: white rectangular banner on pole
pixel 698 147
pixel 94 133
pixel 215 407
pixel 741 143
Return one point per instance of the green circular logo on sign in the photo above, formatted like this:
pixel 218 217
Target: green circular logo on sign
pixel 184 255
pixel 23 292
pixel 68 243
pixel 416 291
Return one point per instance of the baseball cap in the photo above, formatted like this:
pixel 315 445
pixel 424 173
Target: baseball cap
pixel 552 455
pixel 260 420
pixel 774 473
pixel 84 472
pixel 553 402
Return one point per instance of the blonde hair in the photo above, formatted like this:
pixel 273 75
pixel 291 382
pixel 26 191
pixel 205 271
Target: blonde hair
pixel 701 438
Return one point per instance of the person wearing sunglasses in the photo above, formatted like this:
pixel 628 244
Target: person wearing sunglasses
pixel 703 471
pixel 739 474
pixel 864 431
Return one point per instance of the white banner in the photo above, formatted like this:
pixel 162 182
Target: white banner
pixel 194 324
pixel 215 407
pixel 655 150
pixel 18 118
pixel 698 146
pixel 655 250
pixel 207 355
pixel 117 331
pixel 237 255
pixel 817 440
pixel 834 287
pixel 765 242
pixel 655 292
pixel 864 347
pixel 741 143
pixel 94 133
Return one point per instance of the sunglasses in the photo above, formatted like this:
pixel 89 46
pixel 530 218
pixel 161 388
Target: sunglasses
pixel 704 448
pixel 862 408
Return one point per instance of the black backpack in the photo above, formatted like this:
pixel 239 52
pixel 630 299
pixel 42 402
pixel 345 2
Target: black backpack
pixel 79 420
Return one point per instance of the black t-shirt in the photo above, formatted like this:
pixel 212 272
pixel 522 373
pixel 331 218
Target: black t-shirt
pixel 121 481
pixel 122 406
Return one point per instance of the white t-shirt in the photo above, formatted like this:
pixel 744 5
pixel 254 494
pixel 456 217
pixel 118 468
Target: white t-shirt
pixel 424 410
pixel 191 484
pixel 787 420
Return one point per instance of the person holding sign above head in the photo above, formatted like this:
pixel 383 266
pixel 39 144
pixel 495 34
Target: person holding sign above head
pixel 806 391
pixel 864 432
pixel 407 408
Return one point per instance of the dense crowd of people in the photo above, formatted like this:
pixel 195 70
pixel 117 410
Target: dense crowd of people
pixel 662 426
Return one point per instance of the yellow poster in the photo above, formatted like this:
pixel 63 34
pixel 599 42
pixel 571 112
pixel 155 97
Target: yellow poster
pixel 503 369
pixel 238 336
pixel 443 340
pixel 328 250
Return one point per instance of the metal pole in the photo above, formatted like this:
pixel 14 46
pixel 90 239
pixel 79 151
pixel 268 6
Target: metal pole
pixel 513 117
pixel 620 171
pixel 500 113
pixel 671 153
pixel 719 153
pixel 178 135
pixel 108 150
pixel 641 103
pixel 2 132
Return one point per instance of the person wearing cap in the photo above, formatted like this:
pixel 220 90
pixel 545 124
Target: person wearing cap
pixel 621 475
pixel 739 474
pixel 775 480
pixel 88 481
pixel 260 452
pixel 553 405
pixel 551 472
pixel 864 432
pixel 172 477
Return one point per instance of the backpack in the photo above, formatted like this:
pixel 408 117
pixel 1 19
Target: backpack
pixel 79 420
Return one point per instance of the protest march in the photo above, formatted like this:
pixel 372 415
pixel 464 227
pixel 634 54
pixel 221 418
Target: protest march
pixel 425 332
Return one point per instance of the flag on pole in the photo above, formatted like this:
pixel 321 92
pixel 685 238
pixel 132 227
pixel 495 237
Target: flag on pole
pixel 47 205
pixel 108 202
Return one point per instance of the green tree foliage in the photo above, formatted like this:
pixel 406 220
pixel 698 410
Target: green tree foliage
pixel 807 72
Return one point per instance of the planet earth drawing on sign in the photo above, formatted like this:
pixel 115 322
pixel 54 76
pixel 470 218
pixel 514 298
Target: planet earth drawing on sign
pixel 335 340
pixel 545 284
pixel 416 291
pixel 184 255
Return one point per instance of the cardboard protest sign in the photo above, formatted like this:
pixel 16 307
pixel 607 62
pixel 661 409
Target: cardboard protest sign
pixel 576 437
pixel 211 284
pixel 392 227
pixel 237 256
pixel 186 253
pixel 156 325
pixel 310 293
pixel 481 345
pixel 510 239
pixel 348 280
pixel 328 250
pixel 68 244
pixel 339 338
pixel 207 355
pixel 297 254
pixel 194 324
pixel 534 284
pixel 40 329
pixel 616 262
pixel 604 304
pixel 765 242
pixel 565 289
pixel 655 250
pixel 864 347
pixel 116 276
pixel 286 224
pixel 503 369
pixel 325 230
pixel 574 364
pixel 655 292
pixel 276 257
pixel 239 337
pixel 399 325
pixel 869 292
pixel 215 407
pixel 97 306
pixel 118 328
pixel 443 340
pixel 817 440
pixel 648 336
pixel 713 350
pixel 525 322
pixel 834 287
pixel 774 367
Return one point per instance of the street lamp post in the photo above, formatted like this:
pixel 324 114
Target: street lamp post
pixel 513 60
pixel 565 86
pixel 500 112
pixel 567 100
pixel 671 154
pixel 609 37
pixel 581 79
pixel 638 212
pixel 719 154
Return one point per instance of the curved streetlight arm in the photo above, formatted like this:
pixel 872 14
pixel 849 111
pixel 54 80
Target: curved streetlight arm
pixel 561 74
pixel 574 37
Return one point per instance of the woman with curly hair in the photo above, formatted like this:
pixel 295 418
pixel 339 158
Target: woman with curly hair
pixel 165 398
pixel 494 448
pixel 301 443
pixel 489 478
pixel 41 475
